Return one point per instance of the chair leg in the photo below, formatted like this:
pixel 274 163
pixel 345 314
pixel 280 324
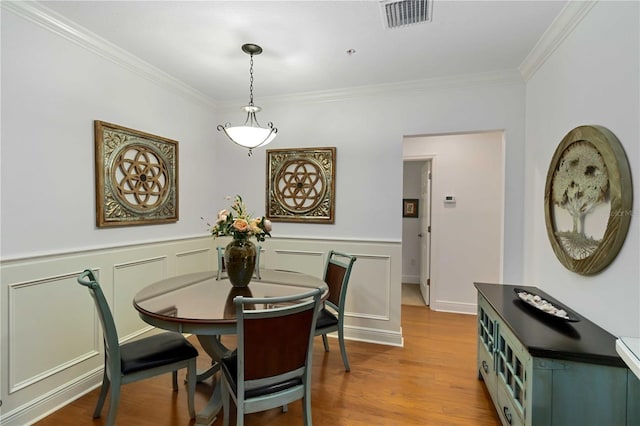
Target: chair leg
pixel 174 381
pixel 285 408
pixel 225 402
pixel 239 411
pixel 115 401
pixel 191 387
pixel 343 351
pixel 306 408
pixel 103 395
pixel 326 342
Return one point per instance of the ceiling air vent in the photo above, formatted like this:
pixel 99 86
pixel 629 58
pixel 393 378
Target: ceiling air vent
pixel 406 12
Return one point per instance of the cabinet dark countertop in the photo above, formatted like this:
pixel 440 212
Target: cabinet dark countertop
pixel 547 337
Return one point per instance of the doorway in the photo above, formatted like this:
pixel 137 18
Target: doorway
pixel 466 214
pixel 416 233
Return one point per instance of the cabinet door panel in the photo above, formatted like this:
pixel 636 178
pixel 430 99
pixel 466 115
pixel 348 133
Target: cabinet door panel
pixel 508 413
pixel 587 394
pixel 485 367
pixel 512 365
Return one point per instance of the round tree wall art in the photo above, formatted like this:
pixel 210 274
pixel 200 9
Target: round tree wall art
pixel 588 199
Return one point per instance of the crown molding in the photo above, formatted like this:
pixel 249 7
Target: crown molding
pixel 497 78
pixel 561 27
pixel 56 23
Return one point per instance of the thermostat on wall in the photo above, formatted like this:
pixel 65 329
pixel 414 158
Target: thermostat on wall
pixel 449 199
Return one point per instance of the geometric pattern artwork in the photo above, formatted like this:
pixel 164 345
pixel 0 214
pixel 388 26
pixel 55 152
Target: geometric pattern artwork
pixel 301 185
pixel 136 177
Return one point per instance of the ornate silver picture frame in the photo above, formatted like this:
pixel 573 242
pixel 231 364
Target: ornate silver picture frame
pixel 588 199
pixel 136 177
pixel 301 185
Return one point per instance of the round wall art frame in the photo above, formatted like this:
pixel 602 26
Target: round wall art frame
pixel 588 199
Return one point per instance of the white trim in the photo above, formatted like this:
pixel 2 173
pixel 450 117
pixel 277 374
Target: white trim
pixel 52 401
pixel 506 77
pixel 58 24
pixel 558 31
pixel 455 307
pixel 370 335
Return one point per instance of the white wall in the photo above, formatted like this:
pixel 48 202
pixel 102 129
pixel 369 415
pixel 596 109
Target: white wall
pixel 52 90
pixel 466 237
pixel 55 84
pixel 368 128
pixel 411 188
pixel 591 78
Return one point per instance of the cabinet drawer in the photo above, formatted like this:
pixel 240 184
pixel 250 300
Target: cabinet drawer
pixel 485 367
pixel 509 415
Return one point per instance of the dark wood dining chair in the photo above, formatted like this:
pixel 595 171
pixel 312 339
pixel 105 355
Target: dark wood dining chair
pixel 141 359
pixel 222 269
pixel 331 317
pixel 271 366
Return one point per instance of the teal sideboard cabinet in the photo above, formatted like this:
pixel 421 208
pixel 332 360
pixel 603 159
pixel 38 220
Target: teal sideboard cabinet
pixel 544 371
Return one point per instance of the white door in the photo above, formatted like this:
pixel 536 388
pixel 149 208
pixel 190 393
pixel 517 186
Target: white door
pixel 425 231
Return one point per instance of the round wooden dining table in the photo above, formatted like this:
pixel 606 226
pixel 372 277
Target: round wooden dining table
pixel 200 304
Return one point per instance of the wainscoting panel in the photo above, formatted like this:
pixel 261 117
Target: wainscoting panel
pixel 128 279
pixel 369 288
pixel 39 344
pixel 311 262
pixel 204 259
pixel 52 349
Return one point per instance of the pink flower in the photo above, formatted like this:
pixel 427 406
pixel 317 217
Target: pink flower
pixel 241 225
pixel 222 215
pixel 267 224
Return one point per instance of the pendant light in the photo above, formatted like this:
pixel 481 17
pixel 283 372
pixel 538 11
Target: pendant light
pixel 250 134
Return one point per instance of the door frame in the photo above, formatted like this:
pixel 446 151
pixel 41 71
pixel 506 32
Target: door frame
pixel 423 158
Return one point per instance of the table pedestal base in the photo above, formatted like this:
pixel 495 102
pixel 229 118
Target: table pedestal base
pixel 215 349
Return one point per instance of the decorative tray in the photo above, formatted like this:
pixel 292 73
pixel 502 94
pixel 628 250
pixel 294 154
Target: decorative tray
pixel 555 311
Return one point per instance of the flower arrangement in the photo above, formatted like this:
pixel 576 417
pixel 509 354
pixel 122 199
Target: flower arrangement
pixel 239 224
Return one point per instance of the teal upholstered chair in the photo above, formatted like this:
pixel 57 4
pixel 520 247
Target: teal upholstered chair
pixel 272 364
pixel 331 317
pixel 141 359
pixel 222 269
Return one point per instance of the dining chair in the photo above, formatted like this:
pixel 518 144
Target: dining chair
pixel 271 366
pixel 331 317
pixel 141 359
pixel 222 269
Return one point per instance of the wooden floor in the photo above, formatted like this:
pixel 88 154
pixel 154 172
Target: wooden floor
pixel 432 380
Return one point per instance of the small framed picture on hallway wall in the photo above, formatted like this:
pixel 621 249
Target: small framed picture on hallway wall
pixel 410 207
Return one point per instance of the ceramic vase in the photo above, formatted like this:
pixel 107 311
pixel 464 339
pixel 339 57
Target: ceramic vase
pixel 240 261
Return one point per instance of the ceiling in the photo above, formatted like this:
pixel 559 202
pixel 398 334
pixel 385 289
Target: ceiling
pixel 306 42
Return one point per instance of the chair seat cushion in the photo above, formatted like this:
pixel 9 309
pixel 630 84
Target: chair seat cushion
pixel 230 370
pixel 155 351
pixel 326 319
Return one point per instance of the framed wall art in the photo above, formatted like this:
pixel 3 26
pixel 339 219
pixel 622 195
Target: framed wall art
pixel 136 177
pixel 588 199
pixel 410 207
pixel 301 185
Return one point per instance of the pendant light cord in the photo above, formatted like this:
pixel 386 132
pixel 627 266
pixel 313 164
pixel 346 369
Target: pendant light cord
pixel 251 81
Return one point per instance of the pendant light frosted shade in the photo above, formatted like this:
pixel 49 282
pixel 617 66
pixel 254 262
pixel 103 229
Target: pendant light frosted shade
pixel 250 134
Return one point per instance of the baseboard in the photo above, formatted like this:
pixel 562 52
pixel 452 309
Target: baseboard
pixel 454 307
pixel 48 403
pixel 411 279
pixel 369 335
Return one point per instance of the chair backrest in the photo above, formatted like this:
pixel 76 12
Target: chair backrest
pixel 336 274
pixel 275 344
pixel 109 331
